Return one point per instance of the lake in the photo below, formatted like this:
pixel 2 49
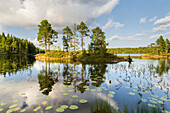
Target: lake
pixel 28 85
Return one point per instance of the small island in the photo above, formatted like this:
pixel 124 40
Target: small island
pixel 97 51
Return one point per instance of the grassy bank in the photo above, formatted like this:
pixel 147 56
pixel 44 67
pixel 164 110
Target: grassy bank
pixel 78 56
pixel 155 56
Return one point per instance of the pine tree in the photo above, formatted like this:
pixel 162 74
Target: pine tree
pixel 83 30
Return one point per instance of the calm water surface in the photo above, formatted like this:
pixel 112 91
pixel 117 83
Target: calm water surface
pixel 26 84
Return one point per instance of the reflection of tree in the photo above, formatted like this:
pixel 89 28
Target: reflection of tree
pixel 163 67
pixel 12 64
pixel 46 79
pixel 96 73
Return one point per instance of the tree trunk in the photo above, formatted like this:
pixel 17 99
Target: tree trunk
pixel 49 47
pixel 82 41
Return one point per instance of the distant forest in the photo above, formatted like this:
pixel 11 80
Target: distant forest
pixel 160 46
pixel 12 45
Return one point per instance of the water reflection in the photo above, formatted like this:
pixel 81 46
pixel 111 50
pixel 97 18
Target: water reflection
pixel 14 63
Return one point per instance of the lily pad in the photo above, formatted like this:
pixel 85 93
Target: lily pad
pixel 23 94
pixel 15 101
pixel 127 87
pixel 73 107
pixel 3 104
pixel 65 93
pixel 161 102
pixel 70 90
pixel 135 90
pixel 131 93
pixel 74 96
pixel 16 109
pixel 154 102
pixel 47 97
pixel 48 107
pixel 39 95
pixel 111 95
pixel 143 100
pixel 87 89
pixel 154 99
pixel 165 111
pixel 83 101
pixel 64 107
pixel 9 111
pixel 23 110
pixel 155 95
pixel 112 92
pixel 152 105
pixel 12 106
pixel 62 91
pixel 105 89
pixel 60 110
pixel 85 86
pixel 99 89
pixel 37 108
pixel 93 90
pixel 1 109
pixel 164 99
pixel 44 102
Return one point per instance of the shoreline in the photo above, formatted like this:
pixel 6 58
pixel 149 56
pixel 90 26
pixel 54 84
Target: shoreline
pixel 43 58
pixel 154 56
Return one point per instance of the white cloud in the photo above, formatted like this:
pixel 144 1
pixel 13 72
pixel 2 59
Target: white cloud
pixel 161 28
pixel 58 12
pixel 158 35
pixel 152 19
pixel 132 38
pixel 143 20
pixel 163 20
pixel 110 24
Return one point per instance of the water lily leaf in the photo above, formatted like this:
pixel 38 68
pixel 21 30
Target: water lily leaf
pixel 1 109
pixel 65 93
pixel 62 91
pixel 112 92
pixel 37 108
pixel 105 89
pixel 164 99
pixel 85 86
pixel 135 90
pixel 12 106
pixel 154 102
pixel 9 111
pixel 44 102
pixel 165 111
pixel 155 95
pixel 143 100
pixel 39 95
pixel 64 107
pixel 48 107
pixel 47 97
pixel 16 109
pixel 152 105
pixel 111 95
pixel 15 101
pixel 63 86
pixel 94 82
pixel 68 86
pixel 161 102
pixel 23 94
pixel 135 87
pixel 131 93
pixel 87 89
pixel 154 99
pixel 23 110
pixel 93 90
pixel 60 110
pixel 83 101
pixel 70 90
pixel 73 107
pixel 99 89
pixel 127 87
pixel 3 104
pixel 74 96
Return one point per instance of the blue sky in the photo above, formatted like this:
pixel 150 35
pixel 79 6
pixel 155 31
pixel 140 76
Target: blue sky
pixel 127 23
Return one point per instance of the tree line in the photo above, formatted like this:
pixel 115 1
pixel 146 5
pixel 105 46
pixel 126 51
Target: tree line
pixel 47 36
pixel 160 46
pixel 12 45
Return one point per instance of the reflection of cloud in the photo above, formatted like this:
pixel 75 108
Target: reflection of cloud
pixel 105 97
pixel 39 65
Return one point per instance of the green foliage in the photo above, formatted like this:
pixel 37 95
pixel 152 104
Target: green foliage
pixel 98 43
pixel 67 40
pixel 13 45
pixel 83 30
pixel 46 34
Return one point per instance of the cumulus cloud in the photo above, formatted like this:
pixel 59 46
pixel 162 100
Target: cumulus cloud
pixel 59 12
pixel 161 28
pixel 111 23
pixel 158 35
pixel 152 19
pixel 131 38
pixel 164 20
pixel 143 20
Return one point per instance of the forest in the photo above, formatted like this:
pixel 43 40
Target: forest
pixel 12 45
pixel 159 47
